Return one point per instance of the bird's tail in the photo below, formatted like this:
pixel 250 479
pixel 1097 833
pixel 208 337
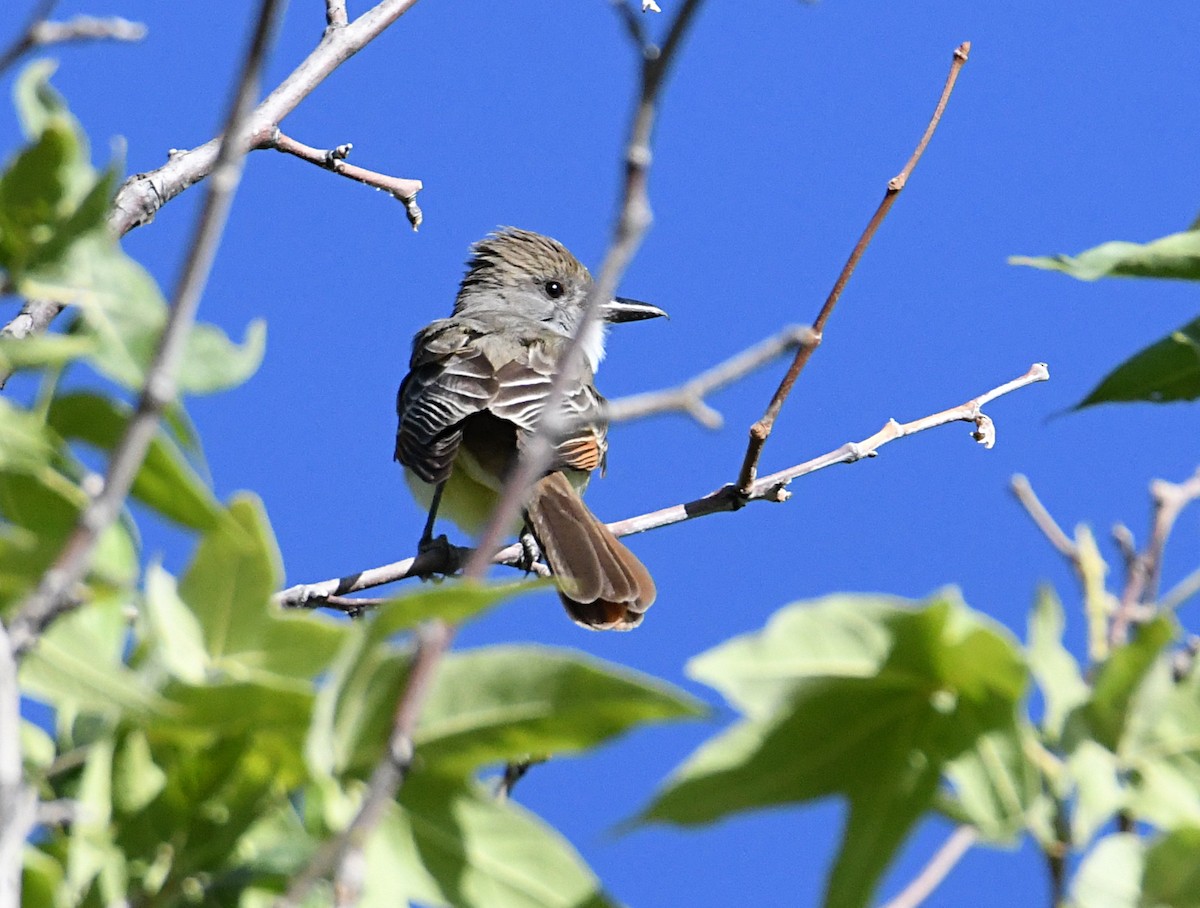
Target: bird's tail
pixel 602 584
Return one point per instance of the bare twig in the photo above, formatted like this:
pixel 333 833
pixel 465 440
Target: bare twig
pixel 727 498
pixel 51 596
pixel 403 190
pixel 939 866
pixel 1143 579
pixel 689 397
pixel 144 194
pixel 18 801
pixel 335 14
pixel 1181 592
pixel 1041 517
pixel 761 430
pixel 39 32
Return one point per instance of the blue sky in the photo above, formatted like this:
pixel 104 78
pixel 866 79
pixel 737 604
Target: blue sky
pixel 779 130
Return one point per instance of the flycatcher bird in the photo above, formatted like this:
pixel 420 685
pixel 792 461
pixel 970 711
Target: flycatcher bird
pixel 477 384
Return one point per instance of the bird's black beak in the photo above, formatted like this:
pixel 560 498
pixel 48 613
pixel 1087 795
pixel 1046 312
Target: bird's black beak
pixel 627 310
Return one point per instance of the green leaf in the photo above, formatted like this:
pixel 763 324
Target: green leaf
pixel 41 351
pixel 353 711
pixel 896 693
pixel 503 703
pixel 213 362
pixel 455 846
pixel 1175 256
pixel 78 663
pixel 1055 669
pixel 1110 875
pixel 137 779
pixel 172 631
pixel 1168 370
pixel 1104 716
pixel 994 784
pixel 1172 873
pixel 1098 794
pixel 228 586
pixel 38 104
pixel 165 482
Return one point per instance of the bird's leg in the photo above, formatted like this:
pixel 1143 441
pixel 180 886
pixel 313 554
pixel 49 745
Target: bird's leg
pixel 531 552
pixel 427 533
pixel 434 556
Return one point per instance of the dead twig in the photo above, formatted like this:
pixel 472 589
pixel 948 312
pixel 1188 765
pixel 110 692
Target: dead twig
pixel 761 430
pixel 334 160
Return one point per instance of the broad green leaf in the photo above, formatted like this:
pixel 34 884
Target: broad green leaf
pixel 165 482
pixel 23 444
pixel 1104 716
pixel 37 747
pixel 228 586
pixel 994 784
pixel 505 702
pixel 756 671
pixel 943 682
pixel 353 711
pixel 92 855
pixel 451 601
pixel 1167 370
pixel 1098 794
pixel 1161 749
pixel 456 846
pixel 1172 873
pixel 1055 669
pixel 1110 876
pixel 172 630
pixel 78 663
pixel 213 362
pixel 1174 256
pixel 41 878
pixel 137 779
pixel 43 351
pixel 37 102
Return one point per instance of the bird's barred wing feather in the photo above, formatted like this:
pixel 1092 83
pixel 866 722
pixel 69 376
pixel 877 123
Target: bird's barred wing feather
pixel 459 370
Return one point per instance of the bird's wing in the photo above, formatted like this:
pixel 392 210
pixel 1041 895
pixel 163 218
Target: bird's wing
pixel 461 369
pixel 449 380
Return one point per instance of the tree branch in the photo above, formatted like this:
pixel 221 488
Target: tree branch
pixel 939 866
pixel 51 597
pixel 727 498
pixel 41 32
pixel 142 195
pixel 689 397
pixel 334 160
pixel 18 802
pixel 761 430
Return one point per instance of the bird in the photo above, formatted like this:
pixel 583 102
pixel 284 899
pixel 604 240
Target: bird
pixel 475 391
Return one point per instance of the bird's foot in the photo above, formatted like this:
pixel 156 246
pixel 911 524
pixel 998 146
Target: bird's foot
pixel 436 558
pixel 531 552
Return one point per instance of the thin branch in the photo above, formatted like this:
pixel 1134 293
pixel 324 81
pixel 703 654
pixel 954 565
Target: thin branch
pixel 18 801
pixel 140 198
pixel 1024 493
pixel 40 32
pixel 335 14
pixel 51 597
pixel 1181 592
pixel 689 397
pixel 727 498
pixel 939 866
pixel 1143 581
pixel 761 430
pixel 334 160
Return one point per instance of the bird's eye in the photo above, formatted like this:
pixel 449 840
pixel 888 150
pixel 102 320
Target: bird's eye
pixel 554 289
